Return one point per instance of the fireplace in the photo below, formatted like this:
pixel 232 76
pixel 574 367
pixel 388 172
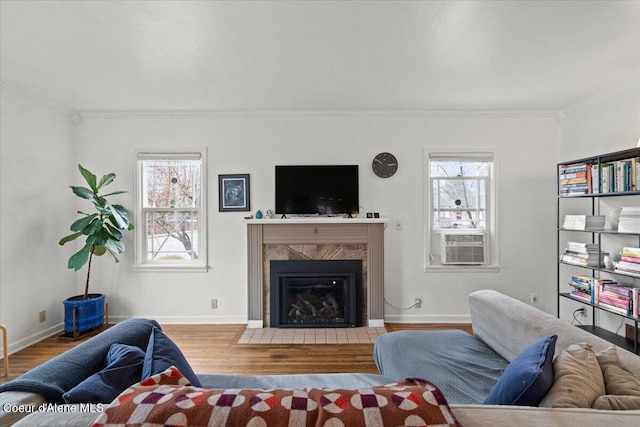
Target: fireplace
pixel 338 239
pixel 315 293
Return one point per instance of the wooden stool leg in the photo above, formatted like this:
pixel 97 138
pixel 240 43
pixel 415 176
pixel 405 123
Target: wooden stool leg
pixel 5 351
pixel 75 331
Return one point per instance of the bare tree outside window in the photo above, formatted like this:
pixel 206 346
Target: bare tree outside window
pixel 171 206
pixel 459 191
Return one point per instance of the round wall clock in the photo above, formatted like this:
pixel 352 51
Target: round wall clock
pixel 384 165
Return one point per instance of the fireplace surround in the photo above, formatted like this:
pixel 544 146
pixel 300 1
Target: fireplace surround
pixel 315 238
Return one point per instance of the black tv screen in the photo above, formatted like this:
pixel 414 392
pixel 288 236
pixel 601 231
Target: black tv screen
pixel 321 190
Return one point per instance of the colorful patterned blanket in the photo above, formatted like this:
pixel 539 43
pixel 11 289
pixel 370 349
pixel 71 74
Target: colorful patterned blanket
pixel 167 400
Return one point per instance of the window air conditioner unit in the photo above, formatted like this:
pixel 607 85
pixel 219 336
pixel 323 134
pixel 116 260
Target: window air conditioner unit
pixel 464 248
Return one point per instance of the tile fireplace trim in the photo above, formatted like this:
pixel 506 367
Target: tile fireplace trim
pixel 340 231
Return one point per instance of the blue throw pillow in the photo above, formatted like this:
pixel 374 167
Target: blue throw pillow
pixel 528 377
pixel 123 368
pixel 162 353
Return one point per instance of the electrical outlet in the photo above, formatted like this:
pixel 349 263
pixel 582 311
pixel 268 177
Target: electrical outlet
pixel 214 303
pixel 398 225
pixel 417 303
pixel 583 311
pixel 43 316
pixel 534 298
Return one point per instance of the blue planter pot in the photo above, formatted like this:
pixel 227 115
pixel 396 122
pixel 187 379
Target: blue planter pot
pixel 89 312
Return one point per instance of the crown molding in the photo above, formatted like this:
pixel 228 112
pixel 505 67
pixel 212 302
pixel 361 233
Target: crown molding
pixel 338 114
pixel 77 115
pixel 40 101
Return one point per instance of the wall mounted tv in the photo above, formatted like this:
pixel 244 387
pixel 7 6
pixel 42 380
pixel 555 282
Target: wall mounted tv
pixel 317 190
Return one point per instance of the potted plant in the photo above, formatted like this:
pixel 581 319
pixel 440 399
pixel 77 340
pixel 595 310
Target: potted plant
pixel 103 235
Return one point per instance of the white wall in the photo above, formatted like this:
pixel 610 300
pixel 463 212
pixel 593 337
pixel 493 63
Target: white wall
pixel 37 162
pixel 607 122
pixel 39 149
pixel 527 151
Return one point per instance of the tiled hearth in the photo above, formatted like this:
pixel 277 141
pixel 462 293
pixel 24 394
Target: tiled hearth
pixel 364 335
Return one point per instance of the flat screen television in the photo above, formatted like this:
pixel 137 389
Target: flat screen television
pixel 317 190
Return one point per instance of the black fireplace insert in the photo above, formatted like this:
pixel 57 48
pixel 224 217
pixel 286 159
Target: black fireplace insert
pixel 315 293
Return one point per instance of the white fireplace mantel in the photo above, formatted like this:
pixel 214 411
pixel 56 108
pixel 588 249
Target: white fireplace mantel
pixel 316 230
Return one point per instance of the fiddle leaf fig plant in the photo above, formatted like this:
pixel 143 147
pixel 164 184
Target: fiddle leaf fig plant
pixel 101 228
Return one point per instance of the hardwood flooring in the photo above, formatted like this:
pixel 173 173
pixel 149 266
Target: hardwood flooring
pixel 213 349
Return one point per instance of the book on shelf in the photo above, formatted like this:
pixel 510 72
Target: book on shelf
pixel 581 295
pixel 630 251
pixel 629 220
pixel 606 293
pixel 591 261
pixel 587 288
pixel 629 261
pixel 573 179
pixel 582 282
pixel 573 189
pixel 613 308
pixel 593 178
pixel 573 168
pixel 582 247
pixel 584 254
pixel 615 289
pixel 631 267
pixel 584 222
pixel 620 176
pixel 582 174
pixel 616 297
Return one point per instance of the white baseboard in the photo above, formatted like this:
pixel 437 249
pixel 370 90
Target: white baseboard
pixel 427 318
pixel 33 339
pixel 187 320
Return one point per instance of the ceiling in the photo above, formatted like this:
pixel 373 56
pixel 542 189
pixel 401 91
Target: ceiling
pixel 318 55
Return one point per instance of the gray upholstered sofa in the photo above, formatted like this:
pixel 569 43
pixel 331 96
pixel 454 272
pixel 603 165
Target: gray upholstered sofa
pixel 503 328
pixel 466 368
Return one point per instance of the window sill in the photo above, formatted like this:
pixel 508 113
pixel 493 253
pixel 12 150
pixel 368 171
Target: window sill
pixel 493 268
pixel 171 268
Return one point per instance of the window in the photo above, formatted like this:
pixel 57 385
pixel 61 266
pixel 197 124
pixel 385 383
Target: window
pixel 171 210
pixel 461 214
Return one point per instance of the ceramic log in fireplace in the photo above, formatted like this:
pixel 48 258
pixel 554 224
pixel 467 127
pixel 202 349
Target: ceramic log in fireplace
pixel 315 293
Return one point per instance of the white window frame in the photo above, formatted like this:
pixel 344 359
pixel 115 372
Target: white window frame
pixel 141 262
pixel 433 235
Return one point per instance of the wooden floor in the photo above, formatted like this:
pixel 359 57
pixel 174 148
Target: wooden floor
pixel 213 349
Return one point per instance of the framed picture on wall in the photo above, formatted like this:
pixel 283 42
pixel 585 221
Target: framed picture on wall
pixel 233 192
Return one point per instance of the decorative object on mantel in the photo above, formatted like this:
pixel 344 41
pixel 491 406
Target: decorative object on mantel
pixel 85 313
pixel 259 214
pixel 385 165
pixel 233 193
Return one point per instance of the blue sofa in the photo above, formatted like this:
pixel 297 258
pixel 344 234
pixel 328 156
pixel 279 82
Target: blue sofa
pixel 57 376
pixel 49 381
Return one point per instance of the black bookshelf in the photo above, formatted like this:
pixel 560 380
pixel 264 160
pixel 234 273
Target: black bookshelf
pixel 597 236
pixel 616 339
